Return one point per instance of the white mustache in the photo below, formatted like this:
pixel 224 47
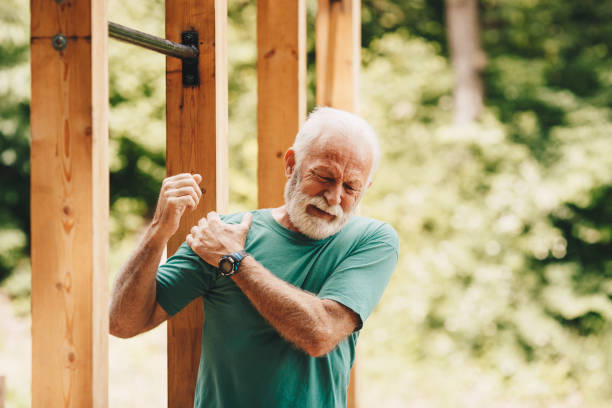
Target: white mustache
pixel 321 204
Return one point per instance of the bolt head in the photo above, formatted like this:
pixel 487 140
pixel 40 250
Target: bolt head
pixel 59 42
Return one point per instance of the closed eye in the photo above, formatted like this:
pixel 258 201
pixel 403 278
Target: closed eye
pixel 326 179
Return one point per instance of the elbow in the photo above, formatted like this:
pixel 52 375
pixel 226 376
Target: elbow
pixel 317 352
pixel 320 344
pixel 117 329
pixel 121 333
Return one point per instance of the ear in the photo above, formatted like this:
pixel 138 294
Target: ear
pixel 289 162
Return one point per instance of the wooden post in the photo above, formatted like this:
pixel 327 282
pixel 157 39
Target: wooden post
pixel 338 53
pixel 69 204
pixel 196 130
pixel 281 91
pixel 2 388
pixel 338 59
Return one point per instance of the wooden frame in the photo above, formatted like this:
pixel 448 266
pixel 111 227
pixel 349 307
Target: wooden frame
pixel 338 51
pixel 69 204
pixel 196 133
pixel 281 91
pixel 69 166
pixel 338 60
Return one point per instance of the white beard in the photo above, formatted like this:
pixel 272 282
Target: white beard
pixel 311 225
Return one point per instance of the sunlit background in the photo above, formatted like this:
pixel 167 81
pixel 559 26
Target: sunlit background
pixel 502 295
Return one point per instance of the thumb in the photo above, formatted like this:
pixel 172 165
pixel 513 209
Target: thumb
pixel 197 178
pixel 247 219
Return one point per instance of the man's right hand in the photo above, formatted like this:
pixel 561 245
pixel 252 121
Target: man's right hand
pixel 178 193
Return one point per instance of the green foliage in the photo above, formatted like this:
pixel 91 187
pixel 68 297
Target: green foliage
pixel 494 301
pixel 502 296
pixel 14 139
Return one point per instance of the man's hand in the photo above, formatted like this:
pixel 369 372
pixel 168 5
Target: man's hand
pixel 212 238
pixel 178 193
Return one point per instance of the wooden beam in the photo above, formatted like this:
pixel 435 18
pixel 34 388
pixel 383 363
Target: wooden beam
pixel 281 91
pixel 338 59
pixel 2 390
pixel 69 204
pixel 196 133
pixel 338 53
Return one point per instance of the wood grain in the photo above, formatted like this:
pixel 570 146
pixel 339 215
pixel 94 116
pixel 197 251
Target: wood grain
pixel 338 60
pixel 338 53
pixel 196 142
pixel 69 206
pixel 281 91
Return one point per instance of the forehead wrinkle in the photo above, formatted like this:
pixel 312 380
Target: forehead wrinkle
pixel 347 170
pixel 345 156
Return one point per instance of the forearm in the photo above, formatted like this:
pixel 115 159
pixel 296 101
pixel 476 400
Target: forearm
pixel 133 295
pixel 299 316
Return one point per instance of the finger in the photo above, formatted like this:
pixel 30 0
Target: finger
pixel 202 223
pixel 182 202
pixel 213 217
pixel 194 231
pixel 197 188
pixel 198 178
pixel 183 191
pixel 189 240
pixel 247 220
pixel 182 183
pixel 191 183
pixel 176 177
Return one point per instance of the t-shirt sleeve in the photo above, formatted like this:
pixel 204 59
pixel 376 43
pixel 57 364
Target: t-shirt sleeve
pixel 184 277
pixel 360 280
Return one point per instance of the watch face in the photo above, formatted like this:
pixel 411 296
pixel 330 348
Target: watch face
pixel 226 265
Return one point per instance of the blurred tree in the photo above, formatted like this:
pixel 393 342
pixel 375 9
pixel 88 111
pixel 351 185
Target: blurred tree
pixel 14 137
pixel 468 59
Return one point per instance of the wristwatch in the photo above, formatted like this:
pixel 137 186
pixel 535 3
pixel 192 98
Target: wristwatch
pixel 228 265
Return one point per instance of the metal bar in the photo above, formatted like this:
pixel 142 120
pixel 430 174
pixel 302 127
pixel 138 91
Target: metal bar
pixel 151 42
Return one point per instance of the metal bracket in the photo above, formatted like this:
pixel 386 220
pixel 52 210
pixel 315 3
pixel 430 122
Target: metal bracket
pixel 191 76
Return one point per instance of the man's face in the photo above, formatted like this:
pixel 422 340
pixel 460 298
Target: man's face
pixel 322 194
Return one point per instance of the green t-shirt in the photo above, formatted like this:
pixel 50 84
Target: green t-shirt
pixel 245 362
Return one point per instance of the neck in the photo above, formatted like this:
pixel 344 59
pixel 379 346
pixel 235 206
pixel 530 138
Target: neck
pixel 281 216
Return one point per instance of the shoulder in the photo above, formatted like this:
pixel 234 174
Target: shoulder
pixel 236 218
pixel 368 230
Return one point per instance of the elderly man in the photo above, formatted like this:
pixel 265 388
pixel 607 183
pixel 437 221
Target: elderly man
pixel 286 290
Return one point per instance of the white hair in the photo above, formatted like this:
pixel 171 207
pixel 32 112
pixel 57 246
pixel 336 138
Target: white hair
pixel 340 122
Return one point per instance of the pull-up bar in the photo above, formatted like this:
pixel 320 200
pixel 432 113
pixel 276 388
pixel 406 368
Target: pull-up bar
pixel 151 42
pixel 187 51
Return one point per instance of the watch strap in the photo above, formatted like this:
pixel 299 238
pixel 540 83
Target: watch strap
pixel 236 258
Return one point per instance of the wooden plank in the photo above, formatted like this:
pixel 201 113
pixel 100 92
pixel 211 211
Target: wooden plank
pixel 196 142
pixel 69 205
pixel 338 53
pixel 2 390
pixel 281 91
pixel 338 60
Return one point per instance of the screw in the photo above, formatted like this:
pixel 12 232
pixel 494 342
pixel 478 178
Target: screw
pixel 59 42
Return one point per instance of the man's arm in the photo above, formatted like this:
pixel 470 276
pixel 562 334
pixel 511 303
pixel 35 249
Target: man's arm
pixel 313 324
pixel 133 307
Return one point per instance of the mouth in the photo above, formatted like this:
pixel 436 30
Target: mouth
pixel 316 211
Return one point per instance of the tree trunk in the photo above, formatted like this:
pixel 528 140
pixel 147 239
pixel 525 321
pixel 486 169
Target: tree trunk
pixel 467 57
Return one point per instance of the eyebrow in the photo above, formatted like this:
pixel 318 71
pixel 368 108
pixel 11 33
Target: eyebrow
pixel 353 183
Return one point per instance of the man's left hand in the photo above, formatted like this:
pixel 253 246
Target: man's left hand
pixel 212 238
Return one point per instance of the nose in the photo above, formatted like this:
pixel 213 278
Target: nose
pixel 333 195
